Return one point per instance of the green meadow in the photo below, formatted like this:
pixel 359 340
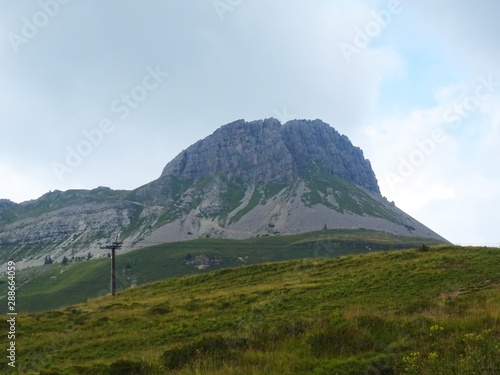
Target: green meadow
pixel 55 285
pixel 428 310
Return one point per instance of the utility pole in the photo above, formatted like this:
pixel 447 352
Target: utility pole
pixel 113 247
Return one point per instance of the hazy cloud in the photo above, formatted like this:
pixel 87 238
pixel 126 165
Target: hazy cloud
pixel 411 66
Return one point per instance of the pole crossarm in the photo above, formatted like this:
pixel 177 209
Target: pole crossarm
pixel 114 246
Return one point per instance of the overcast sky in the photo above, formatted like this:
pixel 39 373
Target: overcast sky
pixel 105 93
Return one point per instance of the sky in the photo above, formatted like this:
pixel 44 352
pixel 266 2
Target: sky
pixel 97 93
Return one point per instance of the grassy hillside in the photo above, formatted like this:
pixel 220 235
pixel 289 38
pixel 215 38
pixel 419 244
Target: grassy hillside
pixel 55 285
pixel 426 311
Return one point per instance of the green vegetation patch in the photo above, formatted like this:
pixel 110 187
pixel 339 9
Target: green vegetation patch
pixel 347 196
pixel 57 285
pixel 397 312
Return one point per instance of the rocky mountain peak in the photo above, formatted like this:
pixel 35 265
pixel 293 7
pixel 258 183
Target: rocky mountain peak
pixel 267 151
pixel 247 179
pixel 6 203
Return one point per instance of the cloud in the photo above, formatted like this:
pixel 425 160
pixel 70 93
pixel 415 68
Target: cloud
pixel 468 32
pixel 21 185
pixel 451 185
pixel 422 193
pixel 264 56
pixel 470 217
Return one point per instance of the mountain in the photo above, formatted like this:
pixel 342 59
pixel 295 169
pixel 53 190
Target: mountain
pixel 247 179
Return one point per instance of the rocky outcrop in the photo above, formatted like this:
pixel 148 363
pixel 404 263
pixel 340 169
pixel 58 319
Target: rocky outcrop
pixel 265 151
pixel 253 151
pixel 5 204
pixel 314 143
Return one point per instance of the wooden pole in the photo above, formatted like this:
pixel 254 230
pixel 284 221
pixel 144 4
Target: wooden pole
pixel 113 267
pixel 113 247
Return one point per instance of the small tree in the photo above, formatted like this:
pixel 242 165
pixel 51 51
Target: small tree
pixel 65 261
pixel 424 248
pixel 48 260
pixel 89 256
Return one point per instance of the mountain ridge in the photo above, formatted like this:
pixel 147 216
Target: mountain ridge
pixel 246 179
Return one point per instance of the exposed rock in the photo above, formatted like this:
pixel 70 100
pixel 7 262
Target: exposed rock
pixel 265 151
pixel 316 143
pixel 203 261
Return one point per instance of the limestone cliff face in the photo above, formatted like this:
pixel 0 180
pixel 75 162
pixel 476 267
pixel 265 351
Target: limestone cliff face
pixel 246 179
pixel 316 143
pixel 253 151
pixel 266 151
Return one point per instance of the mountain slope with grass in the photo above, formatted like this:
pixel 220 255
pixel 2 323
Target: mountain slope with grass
pixel 426 311
pixel 56 285
pixel 247 179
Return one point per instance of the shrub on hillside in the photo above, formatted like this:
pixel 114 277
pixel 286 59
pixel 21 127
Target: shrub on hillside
pixel 214 350
pixel 340 337
pixel 424 248
pixel 125 367
pixel 161 309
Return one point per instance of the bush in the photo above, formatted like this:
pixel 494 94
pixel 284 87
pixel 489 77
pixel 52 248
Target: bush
pixel 457 306
pixel 192 304
pixel 384 331
pixel 51 372
pixel 125 367
pixel 365 365
pixel 161 309
pixel 214 350
pixel 424 248
pixel 473 353
pixel 93 370
pixel 419 305
pixel 340 337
